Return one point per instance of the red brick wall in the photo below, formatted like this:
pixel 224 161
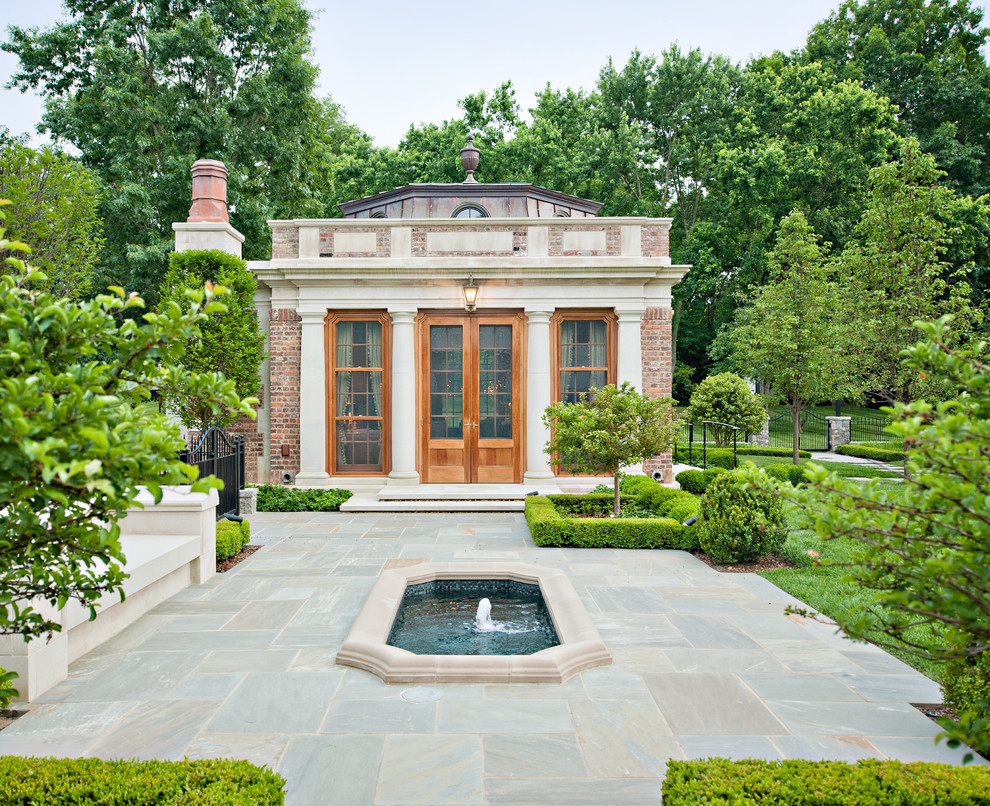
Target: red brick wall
pixel 254 446
pixel 285 242
pixel 657 372
pixel 656 241
pixel 285 354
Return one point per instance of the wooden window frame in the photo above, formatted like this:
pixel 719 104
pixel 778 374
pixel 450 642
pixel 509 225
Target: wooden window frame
pixel 330 347
pixel 611 347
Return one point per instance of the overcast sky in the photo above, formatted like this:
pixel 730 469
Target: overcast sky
pixel 392 64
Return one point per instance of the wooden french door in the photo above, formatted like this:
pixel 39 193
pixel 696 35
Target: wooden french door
pixel 470 398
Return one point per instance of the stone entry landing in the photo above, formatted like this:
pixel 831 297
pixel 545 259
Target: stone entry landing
pixel 446 498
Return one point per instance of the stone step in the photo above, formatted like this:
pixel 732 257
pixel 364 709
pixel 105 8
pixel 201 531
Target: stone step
pixel 362 503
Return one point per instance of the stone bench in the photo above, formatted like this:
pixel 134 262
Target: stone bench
pixel 167 547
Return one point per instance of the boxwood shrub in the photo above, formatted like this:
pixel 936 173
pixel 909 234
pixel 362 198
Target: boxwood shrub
pixel 966 686
pixel 739 522
pixel 787 472
pixel 824 783
pixel 723 456
pixel 551 527
pixel 92 781
pixel 231 538
pixel 867 452
pixel 274 498
pixel 697 481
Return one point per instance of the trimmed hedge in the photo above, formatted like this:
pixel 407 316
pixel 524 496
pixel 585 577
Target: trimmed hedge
pixel 739 522
pixel 787 472
pixel 231 538
pixel 550 528
pixel 93 782
pixel 697 481
pixel 966 687
pixel 275 498
pixel 824 783
pixel 722 457
pixel 866 452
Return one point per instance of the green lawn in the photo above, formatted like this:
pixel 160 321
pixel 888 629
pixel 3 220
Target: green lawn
pixel 820 582
pixel 845 470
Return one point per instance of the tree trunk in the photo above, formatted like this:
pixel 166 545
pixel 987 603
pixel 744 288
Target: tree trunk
pixel 796 428
pixel 615 503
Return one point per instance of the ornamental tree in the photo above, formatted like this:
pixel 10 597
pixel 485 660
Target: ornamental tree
pixel 229 341
pixel 607 429
pixel 80 435
pixel 727 398
pixel 923 545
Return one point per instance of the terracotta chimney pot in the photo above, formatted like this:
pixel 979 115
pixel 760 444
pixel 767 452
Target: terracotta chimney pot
pixel 209 191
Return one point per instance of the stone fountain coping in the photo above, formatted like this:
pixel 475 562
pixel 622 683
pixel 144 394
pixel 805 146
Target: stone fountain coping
pixel 581 647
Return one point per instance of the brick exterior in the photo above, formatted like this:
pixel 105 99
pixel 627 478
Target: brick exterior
pixel 383 242
pixel 520 242
pixel 285 243
pixel 254 446
pixel 655 336
pixel 285 354
pixel 613 242
pixel 656 241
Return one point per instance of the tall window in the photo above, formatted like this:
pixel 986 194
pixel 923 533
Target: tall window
pixel 585 352
pixel 358 399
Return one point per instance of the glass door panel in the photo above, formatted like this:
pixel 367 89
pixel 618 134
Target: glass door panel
pixel 446 382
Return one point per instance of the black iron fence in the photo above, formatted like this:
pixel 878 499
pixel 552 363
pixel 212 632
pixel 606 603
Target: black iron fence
pixel 219 454
pixel 814 431
pixel 696 439
pixel 870 429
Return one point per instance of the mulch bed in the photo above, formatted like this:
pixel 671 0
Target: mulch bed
pixel 230 562
pixel 768 563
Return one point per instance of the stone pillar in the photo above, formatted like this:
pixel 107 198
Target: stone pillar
pixel 208 225
pixel 312 403
pixel 630 365
pixel 537 396
pixel 839 431
pixel 763 438
pixel 403 399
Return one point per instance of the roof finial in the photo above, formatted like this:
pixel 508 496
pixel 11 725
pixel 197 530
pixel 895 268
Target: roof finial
pixel 469 159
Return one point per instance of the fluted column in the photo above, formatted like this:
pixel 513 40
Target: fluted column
pixel 630 365
pixel 537 396
pixel 313 402
pixel 403 399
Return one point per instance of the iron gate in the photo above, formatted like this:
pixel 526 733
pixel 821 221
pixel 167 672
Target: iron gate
pixel 814 431
pixel 218 454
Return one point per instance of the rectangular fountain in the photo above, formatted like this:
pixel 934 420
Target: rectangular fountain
pixel 367 645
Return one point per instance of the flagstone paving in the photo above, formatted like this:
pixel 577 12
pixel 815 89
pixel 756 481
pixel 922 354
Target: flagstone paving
pixel 704 664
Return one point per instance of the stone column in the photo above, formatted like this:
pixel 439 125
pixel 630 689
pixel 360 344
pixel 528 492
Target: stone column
pixel 630 365
pixel 312 402
pixel 403 399
pixel 763 438
pixel 839 431
pixel 537 396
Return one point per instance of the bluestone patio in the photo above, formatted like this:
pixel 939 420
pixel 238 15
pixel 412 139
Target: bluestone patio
pixel 704 664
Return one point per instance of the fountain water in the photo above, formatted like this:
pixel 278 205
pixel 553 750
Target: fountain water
pixel 483 619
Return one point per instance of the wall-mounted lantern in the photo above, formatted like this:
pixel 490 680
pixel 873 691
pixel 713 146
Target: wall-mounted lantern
pixel 470 294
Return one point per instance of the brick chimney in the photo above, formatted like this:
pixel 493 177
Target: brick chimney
pixel 208 225
pixel 209 191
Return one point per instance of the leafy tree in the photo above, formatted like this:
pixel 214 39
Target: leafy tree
pixel 609 428
pixel 923 545
pixel 799 333
pixel 142 88
pixel 926 56
pixel 54 201
pixel 229 341
pixel 727 398
pixel 79 436
pixel 899 270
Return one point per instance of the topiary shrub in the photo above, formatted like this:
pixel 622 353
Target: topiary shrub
pixel 7 690
pixel 726 398
pixel 230 539
pixel 683 509
pixel 787 472
pixel 739 522
pixel 966 687
pixel 697 481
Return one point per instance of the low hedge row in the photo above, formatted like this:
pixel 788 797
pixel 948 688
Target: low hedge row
pixel 867 452
pixel 824 783
pixel 231 538
pixel 787 472
pixel 92 781
pixel 697 481
pixel 722 457
pixel 274 498
pixel 550 528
